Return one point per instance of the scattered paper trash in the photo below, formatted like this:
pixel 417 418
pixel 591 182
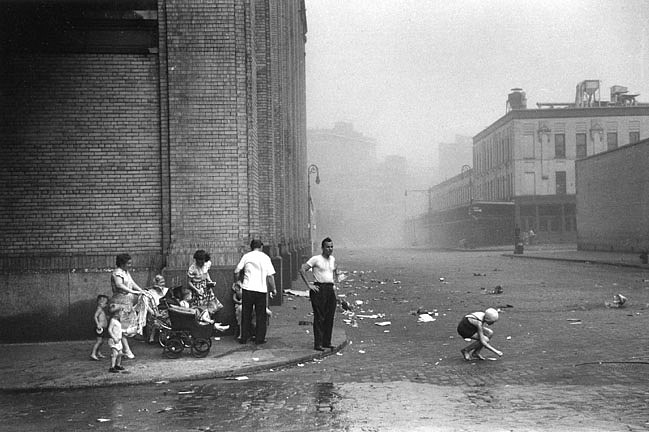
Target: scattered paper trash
pixel 165 409
pixel 237 378
pixel 102 420
pixel 361 351
pixel 618 301
pixel 509 337
pixel 498 289
pixel 425 318
pixel 162 382
pixel 182 392
pixel 442 279
pixel 383 323
pixel 255 359
pixel 297 293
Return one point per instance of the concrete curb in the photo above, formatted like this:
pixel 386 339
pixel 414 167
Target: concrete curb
pixel 215 374
pixel 580 260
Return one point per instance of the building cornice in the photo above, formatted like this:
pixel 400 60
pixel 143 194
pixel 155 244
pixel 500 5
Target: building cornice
pixel 557 113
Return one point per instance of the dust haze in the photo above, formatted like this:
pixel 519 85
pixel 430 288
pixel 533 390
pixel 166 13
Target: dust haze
pixel 414 77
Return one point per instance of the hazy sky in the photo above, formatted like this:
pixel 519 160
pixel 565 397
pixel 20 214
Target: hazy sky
pixel 415 73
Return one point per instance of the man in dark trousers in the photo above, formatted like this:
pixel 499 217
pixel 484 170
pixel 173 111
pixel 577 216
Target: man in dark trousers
pixel 322 294
pixel 255 272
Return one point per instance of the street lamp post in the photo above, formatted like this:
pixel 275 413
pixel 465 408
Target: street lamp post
pixel 313 169
pixel 464 169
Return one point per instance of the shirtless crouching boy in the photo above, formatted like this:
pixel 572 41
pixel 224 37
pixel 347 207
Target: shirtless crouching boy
pixel 472 326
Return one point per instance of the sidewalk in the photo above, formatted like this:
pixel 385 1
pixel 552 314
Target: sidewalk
pixel 66 365
pixel 562 252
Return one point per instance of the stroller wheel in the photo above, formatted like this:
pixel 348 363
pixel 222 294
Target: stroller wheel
pixel 173 349
pixel 186 339
pixel 201 347
pixel 163 337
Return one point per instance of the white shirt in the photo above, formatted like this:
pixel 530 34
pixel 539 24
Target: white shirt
pixel 323 268
pixel 257 267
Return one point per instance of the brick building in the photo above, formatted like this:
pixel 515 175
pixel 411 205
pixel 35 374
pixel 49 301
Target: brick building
pixel 612 205
pixel 527 157
pixel 154 127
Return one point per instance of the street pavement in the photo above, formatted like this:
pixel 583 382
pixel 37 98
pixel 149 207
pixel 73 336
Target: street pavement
pixel 66 365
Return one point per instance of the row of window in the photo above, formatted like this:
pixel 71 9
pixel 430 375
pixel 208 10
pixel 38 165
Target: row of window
pixel 581 139
pixel 498 150
pixel 495 151
pixel 498 189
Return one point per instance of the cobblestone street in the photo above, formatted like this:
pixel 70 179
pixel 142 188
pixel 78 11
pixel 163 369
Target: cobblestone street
pixel 570 362
pixel 565 353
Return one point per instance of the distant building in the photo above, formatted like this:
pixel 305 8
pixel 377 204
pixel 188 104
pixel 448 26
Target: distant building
pixel 612 205
pixel 452 156
pixel 527 157
pixel 360 199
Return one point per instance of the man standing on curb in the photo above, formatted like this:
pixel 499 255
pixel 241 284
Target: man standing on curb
pixel 255 272
pixel 323 297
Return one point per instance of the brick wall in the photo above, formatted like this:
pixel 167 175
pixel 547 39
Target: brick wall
pixel 80 171
pixel 187 139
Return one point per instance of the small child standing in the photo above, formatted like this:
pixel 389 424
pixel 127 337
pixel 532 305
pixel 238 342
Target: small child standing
pixel 115 342
pixel 236 299
pixel 101 326
pixel 472 326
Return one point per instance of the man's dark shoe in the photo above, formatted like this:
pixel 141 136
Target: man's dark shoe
pixel 328 346
pixel 242 341
pixel 318 348
pixel 119 368
pixel 113 370
pixel 260 342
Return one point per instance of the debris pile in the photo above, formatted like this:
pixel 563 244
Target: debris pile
pixel 618 301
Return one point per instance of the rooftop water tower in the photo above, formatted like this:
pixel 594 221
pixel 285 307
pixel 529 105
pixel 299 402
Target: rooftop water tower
pixel 587 94
pixel 516 100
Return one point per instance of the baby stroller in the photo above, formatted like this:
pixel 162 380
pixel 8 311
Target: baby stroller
pixel 185 332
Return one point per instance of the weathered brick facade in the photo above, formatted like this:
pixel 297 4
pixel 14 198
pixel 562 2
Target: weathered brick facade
pixel 149 127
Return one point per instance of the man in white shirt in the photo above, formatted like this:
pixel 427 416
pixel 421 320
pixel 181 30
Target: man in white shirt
pixel 255 272
pixel 322 294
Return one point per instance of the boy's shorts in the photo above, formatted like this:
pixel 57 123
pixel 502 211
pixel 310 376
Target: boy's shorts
pixel 466 329
pixel 115 346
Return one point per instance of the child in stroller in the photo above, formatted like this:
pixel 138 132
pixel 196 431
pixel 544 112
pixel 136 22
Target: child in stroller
pixel 190 328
